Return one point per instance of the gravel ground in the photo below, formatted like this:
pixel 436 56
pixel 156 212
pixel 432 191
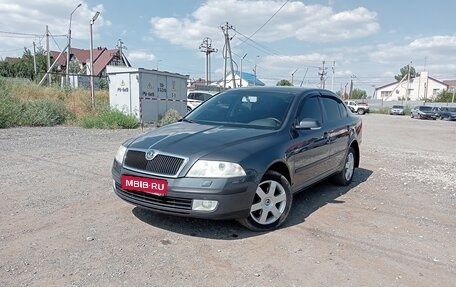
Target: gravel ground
pixel 395 225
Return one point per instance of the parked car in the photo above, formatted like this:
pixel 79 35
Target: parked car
pixel 447 113
pixel 195 98
pixel 397 110
pixel 241 155
pixel 423 112
pixel 357 107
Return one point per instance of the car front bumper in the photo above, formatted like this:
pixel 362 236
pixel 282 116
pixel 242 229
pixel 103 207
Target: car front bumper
pixel 234 196
pixel 427 116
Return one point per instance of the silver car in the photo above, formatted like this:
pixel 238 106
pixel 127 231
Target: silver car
pixel 397 110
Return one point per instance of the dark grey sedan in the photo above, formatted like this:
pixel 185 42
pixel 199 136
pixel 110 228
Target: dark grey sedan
pixel 241 155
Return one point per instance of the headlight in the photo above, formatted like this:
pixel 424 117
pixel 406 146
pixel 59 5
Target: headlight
pixel 221 169
pixel 121 154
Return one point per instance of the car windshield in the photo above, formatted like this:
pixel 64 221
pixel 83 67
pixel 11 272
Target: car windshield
pixel 243 107
pixel 425 108
pixel 398 107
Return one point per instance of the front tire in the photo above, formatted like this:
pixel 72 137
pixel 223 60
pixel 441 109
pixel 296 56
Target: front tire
pixel 271 203
pixel 361 111
pixel 345 177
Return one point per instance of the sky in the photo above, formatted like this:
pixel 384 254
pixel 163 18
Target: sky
pixel 366 41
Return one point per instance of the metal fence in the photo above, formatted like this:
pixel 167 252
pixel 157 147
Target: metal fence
pixel 379 104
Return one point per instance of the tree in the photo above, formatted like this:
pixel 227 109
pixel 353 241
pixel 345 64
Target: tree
pixel 284 83
pixel 445 97
pixel 358 94
pixel 404 71
pixel 23 67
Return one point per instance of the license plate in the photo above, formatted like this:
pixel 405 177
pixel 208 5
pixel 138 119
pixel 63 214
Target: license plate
pixel 146 185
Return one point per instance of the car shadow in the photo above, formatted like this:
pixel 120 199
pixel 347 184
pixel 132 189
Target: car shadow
pixel 304 204
pixel 310 200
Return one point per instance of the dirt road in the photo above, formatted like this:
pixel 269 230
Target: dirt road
pixel 395 225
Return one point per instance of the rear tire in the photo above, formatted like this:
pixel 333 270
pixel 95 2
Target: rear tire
pixel 271 203
pixel 345 177
pixel 361 112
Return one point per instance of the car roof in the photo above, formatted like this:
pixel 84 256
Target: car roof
pixel 282 89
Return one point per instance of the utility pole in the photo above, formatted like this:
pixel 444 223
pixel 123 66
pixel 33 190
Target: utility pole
pixel 225 55
pixel 240 75
pixel 48 56
pixel 351 87
pixel 206 47
pixel 69 47
pixel 407 94
pixel 121 47
pixel 34 57
pixel 345 91
pixel 322 75
pixel 333 74
pixel 92 90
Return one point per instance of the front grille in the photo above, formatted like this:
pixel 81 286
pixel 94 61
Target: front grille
pixel 161 203
pixel 161 164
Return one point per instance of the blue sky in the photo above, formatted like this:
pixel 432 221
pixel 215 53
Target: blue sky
pixel 369 40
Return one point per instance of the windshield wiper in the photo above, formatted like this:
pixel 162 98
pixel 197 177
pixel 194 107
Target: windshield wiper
pixel 186 120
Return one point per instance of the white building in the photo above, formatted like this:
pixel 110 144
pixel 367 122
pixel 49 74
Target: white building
pixel 242 80
pixel 420 88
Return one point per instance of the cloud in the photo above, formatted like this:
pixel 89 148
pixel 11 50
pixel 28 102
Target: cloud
pixel 312 23
pixel 438 48
pixel 439 42
pixel 141 56
pixel 31 17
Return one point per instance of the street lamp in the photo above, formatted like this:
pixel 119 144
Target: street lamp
pixel 69 47
pixel 92 92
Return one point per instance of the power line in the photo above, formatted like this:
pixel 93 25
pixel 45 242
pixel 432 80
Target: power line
pixel 268 20
pixel 258 46
pixel 27 34
pixel 52 36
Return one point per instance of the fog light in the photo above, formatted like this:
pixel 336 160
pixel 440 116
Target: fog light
pixel 204 205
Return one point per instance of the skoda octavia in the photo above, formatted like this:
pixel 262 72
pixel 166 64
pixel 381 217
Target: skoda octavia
pixel 241 155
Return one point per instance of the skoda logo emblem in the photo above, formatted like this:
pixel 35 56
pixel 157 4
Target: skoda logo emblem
pixel 150 154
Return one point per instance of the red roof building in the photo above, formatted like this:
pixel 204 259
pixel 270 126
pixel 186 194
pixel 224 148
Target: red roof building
pixel 102 57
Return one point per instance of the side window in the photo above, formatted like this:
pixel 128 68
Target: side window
pixel 310 108
pixel 207 96
pixel 331 107
pixel 343 110
pixel 199 96
pixel 191 96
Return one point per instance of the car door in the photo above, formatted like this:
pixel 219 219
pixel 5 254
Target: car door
pixel 336 124
pixel 309 148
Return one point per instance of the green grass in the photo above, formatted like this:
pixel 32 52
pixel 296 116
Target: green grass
pixel 109 119
pixel 16 112
pixel 24 103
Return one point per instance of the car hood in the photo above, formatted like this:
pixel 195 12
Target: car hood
pixel 196 140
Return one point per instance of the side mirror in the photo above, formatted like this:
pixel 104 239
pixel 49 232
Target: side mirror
pixel 308 124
